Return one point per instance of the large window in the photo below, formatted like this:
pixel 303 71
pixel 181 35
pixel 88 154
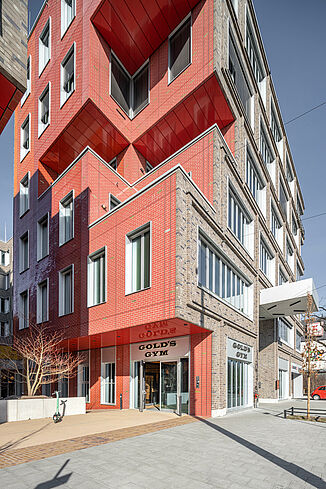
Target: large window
pixel 265 148
pixel 299 272
pixel 289 254
pixel 28 80
pixel 68 12
pixel 283 199
pixel 4 329
pixel 67 83
pixel 4 305
pixel 239 220
pixel 138 255
pixel 108 373
pixel 24 310
pixel 276 227
pixel 284 330
pixel 44 110
pixel 237 75
pixel 83 380
pixel 254 180
pixel 113 202
pixel 253 53
pixel 282 279
pixel 25 137
pixel 66 218
pixel 97 278
pixel 43 237
pixel 266 260
pixel 23 252
pixel 24 195
pixel 275 125
pixel 130 92
pixel 4 258
pixel 66 296
pixel 43 301
pixel 180 50
pixel 218 276
pixel 44 47
pixel 298 339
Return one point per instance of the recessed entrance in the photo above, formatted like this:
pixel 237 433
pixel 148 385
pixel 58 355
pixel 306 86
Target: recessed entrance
pixel 162 383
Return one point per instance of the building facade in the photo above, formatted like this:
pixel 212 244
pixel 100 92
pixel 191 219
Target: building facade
pixel 13 56
pixel 155 198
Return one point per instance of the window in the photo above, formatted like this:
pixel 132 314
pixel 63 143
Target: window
pixel 66 296
pixel 24 195
pixel 180 50
pixel 23 252
pixel 108 376
pixel 253 53
pixel 113 202
pixel 43 302
pixel 148 167
pixel 25 138
pixel 276 226
pixel 294 225
pixel 289 172
pixel 138 260
pixel 237 75
pixel 283 199
pixel 265 149
pixel 282 278
pixel 44 48
pixel 63 386
pixel 4 281
pixel 97 278
pixel 218 276
pixel 68 12
pixel 299 272
pixel 289 254
pixel 284 330
pixel 113 164
pixel 4 329
pixel 254 180
pixel 298 339
pixel 24 310
pixel 5 258
pixel 44 110
pixel 266 260
pixel 130 92
pixel 299 207
pixel 43 237
pixel 28 80
pixel 4 305
pixel 275 126
pixel 67 74
pixel 83 381
pixel 238 220
pixel 66 218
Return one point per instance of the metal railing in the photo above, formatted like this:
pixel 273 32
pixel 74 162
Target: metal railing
pixel 313 412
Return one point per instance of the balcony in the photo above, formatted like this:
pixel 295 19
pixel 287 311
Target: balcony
pixel 134 29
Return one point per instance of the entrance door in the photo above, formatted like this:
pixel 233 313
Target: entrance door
pixel 152 384
pixel 169 385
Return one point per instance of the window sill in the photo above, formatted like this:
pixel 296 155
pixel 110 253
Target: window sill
pixel 40 72
pixel 24 213
pixel 42 322
pixel 136 291
pixel 61 244
pixel 172 80
pixel 43 130
pixel 251 255
pixel 24 99
pixel 25 269
pixel 42 257
pixel 66 100
pixel 134 114
pixel 225 302
pixel 65 314
pixel 23 157
pixel 108 404
pixel 97 304
pixel 67 28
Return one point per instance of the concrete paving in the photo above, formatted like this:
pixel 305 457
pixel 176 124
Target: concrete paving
pixel 251 449
pixel 20 434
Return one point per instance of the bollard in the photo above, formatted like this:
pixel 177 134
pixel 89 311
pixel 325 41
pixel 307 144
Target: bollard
pixel 120 401
pixel 284 413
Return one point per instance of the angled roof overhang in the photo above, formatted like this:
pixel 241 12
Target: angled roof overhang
pixel 287 300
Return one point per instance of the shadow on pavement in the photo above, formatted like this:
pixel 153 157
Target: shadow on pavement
pixel 13 444
pixel 290 467
pixel 57 480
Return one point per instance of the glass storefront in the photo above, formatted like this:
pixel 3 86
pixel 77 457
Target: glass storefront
pixel 237 383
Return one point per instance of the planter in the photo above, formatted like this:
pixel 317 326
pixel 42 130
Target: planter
pixel 38 407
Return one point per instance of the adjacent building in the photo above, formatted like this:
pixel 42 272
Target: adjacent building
pixel 156 200
pixel 13 57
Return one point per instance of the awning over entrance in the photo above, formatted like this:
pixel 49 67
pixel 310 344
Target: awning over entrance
pixel 287 299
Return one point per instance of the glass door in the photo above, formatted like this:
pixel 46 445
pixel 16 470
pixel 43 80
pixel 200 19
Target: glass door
pixel 169 385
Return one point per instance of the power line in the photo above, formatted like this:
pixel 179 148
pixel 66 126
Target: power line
pixel 305 113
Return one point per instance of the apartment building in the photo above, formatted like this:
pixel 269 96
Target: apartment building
pixel 157 214
pixel 13 56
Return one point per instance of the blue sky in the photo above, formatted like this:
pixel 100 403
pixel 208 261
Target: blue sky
pixel 294 36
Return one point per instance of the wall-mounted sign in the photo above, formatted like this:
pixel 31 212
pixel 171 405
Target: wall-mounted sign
pixel 239 351
pixel 160 350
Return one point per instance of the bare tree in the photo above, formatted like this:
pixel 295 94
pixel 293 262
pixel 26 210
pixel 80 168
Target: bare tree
pixel 44 361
